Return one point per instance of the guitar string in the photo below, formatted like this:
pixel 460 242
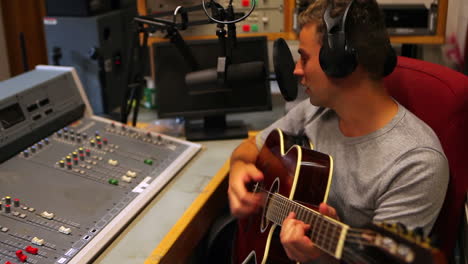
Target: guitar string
pixel 357 238
pixel 328 242
pixel 319 234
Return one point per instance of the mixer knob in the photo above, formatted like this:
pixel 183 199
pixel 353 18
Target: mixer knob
pixel 75 154
pixel 75 161
pixel 37 241
pixel 7 208
pixel 25 153
pixel 69 165
pixel 7 199
pixel 88 152
pixel 78 139
pixel 92 142
pixel 46 141
pixel 81 150
pixel 59 133
pixel 72 131
pixel 85 136
pixel 62 164
pixel 82 157
pixel 21 256
pixel 16 202
pixel 31 250
pixel 68 158
pixel 99 145
pixel 96 133
pixel 39 145
pixel 104 140
pixel 33 149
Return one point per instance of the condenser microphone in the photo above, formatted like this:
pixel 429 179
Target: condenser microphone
pixel 248 71
pixel 284 69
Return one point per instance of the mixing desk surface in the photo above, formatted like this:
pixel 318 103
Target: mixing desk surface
pixel 69 180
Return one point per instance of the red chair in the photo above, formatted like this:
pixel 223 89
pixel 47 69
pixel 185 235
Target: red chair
pixel 439 96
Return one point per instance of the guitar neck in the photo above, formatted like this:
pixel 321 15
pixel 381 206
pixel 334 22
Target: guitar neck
pixel 327 234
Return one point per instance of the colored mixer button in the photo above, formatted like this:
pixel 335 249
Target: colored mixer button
pixel 113 162
pixel 149 161
pixel 37 241
pixel 114 181
pixel 47 215
pixel 32 250
pixel 126 178
pixel 64 230
pixel 21 256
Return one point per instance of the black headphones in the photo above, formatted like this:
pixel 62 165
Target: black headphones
pixel 337 57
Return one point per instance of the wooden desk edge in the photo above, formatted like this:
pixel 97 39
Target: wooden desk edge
pixel 172 248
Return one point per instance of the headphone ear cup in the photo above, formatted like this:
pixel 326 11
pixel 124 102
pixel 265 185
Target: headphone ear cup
pixel 390 61
pixel 337 64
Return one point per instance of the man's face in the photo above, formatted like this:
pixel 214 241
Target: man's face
pixel 311 75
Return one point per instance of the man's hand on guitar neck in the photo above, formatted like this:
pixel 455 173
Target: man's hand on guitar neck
pixel 296 243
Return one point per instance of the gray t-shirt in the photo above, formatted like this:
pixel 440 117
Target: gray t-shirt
pixel 398 173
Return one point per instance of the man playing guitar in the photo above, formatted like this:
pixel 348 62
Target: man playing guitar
pixel 388 164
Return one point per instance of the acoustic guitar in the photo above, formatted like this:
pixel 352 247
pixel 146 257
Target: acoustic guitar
pixel 297 179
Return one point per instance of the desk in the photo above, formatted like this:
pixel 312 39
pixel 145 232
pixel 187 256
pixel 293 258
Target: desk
pixel 171 225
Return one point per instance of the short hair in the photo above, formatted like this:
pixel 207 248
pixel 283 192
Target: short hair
pixel 365 30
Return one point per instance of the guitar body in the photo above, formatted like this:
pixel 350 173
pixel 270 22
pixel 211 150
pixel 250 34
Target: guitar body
pixel 299 173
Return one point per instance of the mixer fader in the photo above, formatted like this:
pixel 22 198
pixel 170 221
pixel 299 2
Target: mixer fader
pixel 69 180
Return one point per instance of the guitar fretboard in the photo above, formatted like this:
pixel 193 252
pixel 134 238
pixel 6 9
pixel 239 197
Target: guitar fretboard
pixel 326 233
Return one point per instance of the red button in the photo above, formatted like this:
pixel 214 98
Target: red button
pixel 246 28
pixel 31 250
pixel 245 2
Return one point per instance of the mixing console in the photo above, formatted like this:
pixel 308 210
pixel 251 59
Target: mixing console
pixel 69 180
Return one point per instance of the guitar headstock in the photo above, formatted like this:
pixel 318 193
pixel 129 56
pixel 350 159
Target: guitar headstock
pixel 393 243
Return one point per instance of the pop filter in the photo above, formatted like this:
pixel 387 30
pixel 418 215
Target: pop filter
pixel 284 68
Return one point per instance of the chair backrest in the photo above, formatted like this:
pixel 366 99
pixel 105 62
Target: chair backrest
pixel 439 96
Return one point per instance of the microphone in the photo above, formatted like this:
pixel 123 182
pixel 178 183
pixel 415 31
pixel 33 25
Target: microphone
pixel 247 71
pixel 284 68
